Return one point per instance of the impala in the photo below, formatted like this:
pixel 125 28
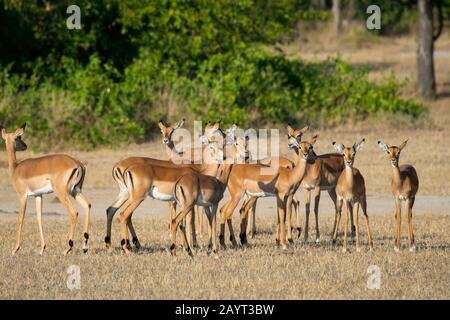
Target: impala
pixel 404 186
pixel 247 179
pixel 351 189
pixel 58 173
pixel 248 208
pixel 158 182
pixel 121 166
pixel 322 173
pixel 206 191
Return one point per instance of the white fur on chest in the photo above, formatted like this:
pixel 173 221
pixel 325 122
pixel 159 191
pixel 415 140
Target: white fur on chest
pixel 160 196
pixel 48 188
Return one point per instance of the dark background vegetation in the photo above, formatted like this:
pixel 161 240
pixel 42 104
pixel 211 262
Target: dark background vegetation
pixel 136 61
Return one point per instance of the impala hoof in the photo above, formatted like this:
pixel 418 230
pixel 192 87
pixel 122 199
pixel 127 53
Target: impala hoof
pixel 41 252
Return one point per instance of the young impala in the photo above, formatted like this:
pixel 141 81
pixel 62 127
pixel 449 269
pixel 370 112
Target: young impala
pixel 322 173
pixel 58 173
pixel 351 189
pixel 404 186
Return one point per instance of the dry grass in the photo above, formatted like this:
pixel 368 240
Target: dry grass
pixel 261 271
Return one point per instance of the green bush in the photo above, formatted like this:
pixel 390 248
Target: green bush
pixel 134 60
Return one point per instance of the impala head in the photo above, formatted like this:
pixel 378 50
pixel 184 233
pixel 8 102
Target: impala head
pixel 230 134
pixel 392 151
pixel 242 154
pixel 349 153
pixel 215 150
pixel 304 147
pixel 210 131
pixel 14 139
pixel 166 131
pixel 295 134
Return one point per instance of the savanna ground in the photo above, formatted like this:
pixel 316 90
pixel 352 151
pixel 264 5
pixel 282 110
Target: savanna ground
pixel 260 271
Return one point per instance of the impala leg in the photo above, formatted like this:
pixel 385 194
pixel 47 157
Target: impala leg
pixel 366 216
pixel 190 228
pixel 110 212
pixel 408 222
pixel 134 238
pixel 244 214
pixel 277 222
pixel 253 214
pixel 73 219
pixel 296 204
pixel 214 228
pixel 352 222
pixel 398 220
pixel 358 248
pixel 173 230
pixel 338 220
pixel 124 217
pixel 307 211
pixel 248 230
pixel 412 246
pixel 85 204
pixel 226 213
pixel 289 218
pixel 333 196
pixel 39 219
pixel 316 212
pixel 22 209
pixel 233 241
pixel 346 205
pixel 281 202
pixel 209 216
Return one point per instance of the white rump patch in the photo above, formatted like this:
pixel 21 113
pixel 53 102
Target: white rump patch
pixel 160 196
pixel 48 188
pixel 261 194
pixel 122 186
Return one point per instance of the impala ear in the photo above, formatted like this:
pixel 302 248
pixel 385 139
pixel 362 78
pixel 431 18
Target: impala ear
pixel 161 124
pixel 20 131
pixel 217 125
pixel 179 124
pixel 303 131
pixel 383 146
pixel 3 132
pixel 358 146
pixel 313 140
pixel 339 147
pixel 290 130
pixel 403 144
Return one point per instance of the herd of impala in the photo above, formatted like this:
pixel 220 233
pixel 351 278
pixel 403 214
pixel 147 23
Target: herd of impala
pixel 194 188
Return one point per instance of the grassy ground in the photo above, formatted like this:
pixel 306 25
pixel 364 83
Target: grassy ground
pixel 261 271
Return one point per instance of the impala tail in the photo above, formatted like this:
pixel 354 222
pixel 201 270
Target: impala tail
pixel 118 176
pixel 76 180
